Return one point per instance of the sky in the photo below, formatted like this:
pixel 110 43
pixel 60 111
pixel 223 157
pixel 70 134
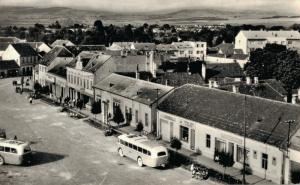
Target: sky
pixel 157 5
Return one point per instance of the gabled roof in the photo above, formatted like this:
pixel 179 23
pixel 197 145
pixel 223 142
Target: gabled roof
pixel 57 51
pixel 34 44
pixel 264 34
pixel 222 70
pixel 179 79
pixel 137 90
pixel 8 64
pixel 166 47
pixel 24 49
pixel 144 46
pixel 79 48
pixel 265 119
pixel 58 67
pixel 226 48
pixel 129 63
pixel 59 42
pixel 9 39
pixel 96 62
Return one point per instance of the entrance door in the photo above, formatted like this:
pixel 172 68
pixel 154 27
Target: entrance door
pixel 192 139
pixel 165 130
pixel 231 149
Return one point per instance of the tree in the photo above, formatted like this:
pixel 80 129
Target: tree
pixel 96 108
pixel 275 61
pixel 79 104
pixel 175 144
pixel 226 160
pixel 118 115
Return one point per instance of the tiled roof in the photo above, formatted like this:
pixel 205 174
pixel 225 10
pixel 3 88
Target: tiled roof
pixel 265 119
pixel 8 64
pixel 58 66
pixel 79 48
pixel 57 51
pixel 96 62
pixel 129 63
pixel 34 44
pixel 62 43
pixel 179 79
pixel 4 45
pixel 223 70
pixel 165 47
pixel 24 49
pixel 263 34
pixel 182 45
pixel 145 46
pixel 226 48
pixel 138 90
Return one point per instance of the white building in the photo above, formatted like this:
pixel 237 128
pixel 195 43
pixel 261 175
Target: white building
pixel 251 40
pixel 59 42
pixel 40 47
pixel 195 50
pixel 211 121
pixel 137 99
pixel 24 55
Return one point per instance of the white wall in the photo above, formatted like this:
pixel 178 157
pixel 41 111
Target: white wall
pixel 221 60
pixel 272 173
pixel 11 54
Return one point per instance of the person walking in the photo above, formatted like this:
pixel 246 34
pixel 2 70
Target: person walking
pixel 30 99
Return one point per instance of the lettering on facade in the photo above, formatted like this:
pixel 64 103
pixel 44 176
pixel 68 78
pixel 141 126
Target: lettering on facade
pixel 168 117
pixel 232 139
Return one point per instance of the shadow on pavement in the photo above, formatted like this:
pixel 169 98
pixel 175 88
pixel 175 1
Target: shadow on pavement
pixel 39 158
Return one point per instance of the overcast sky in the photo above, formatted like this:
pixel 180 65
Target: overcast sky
pixel 153 5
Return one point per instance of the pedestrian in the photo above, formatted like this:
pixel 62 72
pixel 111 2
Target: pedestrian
pixel 30 100
pixel 15 138
pixel 60 100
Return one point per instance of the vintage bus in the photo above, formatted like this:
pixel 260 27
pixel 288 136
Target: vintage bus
pixel 14 152
pixel 143 150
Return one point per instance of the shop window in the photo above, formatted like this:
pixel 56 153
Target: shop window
pixel 240 155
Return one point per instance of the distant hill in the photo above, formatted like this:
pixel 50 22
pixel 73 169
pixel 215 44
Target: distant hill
pixel 27 16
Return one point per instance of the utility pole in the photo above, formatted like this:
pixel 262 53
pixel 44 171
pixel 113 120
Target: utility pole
pixel 244 160
pixel 157 91
pixel 289 122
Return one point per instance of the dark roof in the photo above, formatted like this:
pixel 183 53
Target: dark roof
pixel 223 70
pixel 226 48
pixel 24 49
pixel 9 39
pixel 225 110
pixel 4 45
pixel 144 46
pixel 129 63
pixel 8 64
pixel 79 48
pixel 58 67
pixel 179 79
pixel 138 90
pixel 57 51
pixel 96 62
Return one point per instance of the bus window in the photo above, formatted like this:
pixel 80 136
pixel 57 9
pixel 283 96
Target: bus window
pixel 7 149
pixel 126 144
pixel 161 154
pixel 134 147
pixel 140 149
pixel 13 150
pixel 149 153
pixel 130 145
pixel 145 151
pixel 27 149
pixel 1 148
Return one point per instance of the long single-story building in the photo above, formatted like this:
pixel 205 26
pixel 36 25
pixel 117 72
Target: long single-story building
pixel 137 99
pixel 212 121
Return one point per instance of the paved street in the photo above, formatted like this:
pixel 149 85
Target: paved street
pixel 70 151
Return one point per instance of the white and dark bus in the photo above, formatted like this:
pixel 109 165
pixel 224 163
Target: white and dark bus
pixel 14 152
pixel 143 150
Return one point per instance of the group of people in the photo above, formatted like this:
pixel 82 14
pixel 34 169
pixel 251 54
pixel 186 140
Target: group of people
pixel 199 172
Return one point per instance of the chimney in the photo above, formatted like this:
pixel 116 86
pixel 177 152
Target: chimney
pixel 235 89
pixel 294 98
pixel 210 84
pixel 248 80
pixel 256 80
pixel 79 63
pixel 203 71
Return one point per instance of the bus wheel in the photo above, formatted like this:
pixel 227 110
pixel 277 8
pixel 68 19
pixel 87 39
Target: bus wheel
pixel 121 152
pixel 140 162
pixel 1 160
